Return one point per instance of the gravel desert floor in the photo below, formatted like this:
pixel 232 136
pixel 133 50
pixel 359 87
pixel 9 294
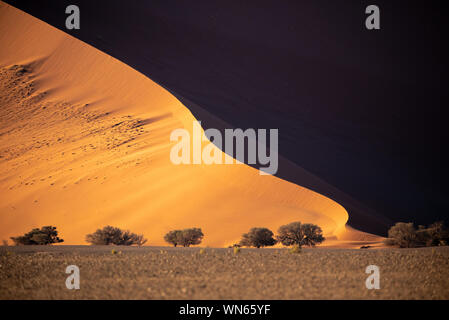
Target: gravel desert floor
pixel 160 273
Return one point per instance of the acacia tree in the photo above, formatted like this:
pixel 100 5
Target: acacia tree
pixel 45 236
pixel 437 234
pixel 139 240
pixel 191 237
pixel 404 235
pixel 299 234
pixel 128 239
pixel 186 237
pixel 258 237
pixel 173 237
pixel 115 236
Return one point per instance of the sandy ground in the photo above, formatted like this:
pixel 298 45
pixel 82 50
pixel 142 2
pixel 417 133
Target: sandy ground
pixel 186 273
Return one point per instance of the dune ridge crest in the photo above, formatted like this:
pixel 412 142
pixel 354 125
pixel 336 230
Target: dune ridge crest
pixel 85 142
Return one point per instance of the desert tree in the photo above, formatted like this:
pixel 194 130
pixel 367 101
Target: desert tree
pixel 258 237
pixel 139 240
pixel 173 237
pixel 433 235
pixel 403 235
pixel 107 236
pixel 128 239
pixel 297 233
pixel 192 237
pixel 437 234
pixel 115 236
pixel 44 236
pixel 185 238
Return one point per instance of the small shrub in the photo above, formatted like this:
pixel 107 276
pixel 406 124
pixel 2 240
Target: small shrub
pixel 237 250
pixel 113 251
pixel 258 237
pixel 202 251
pixel 295 249
pixel 45 236
pixel 389 242
pixel 115 236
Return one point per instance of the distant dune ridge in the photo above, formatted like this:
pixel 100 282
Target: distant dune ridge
pixel 84 142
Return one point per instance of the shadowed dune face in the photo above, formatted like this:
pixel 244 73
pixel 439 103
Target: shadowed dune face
pixel 85 142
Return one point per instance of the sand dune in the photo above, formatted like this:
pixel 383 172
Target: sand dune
pixel 363 112
pixel 84 142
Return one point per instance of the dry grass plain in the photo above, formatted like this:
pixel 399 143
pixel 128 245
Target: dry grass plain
pixel 191 273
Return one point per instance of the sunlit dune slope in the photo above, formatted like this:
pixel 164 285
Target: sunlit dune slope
pixel 85 142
